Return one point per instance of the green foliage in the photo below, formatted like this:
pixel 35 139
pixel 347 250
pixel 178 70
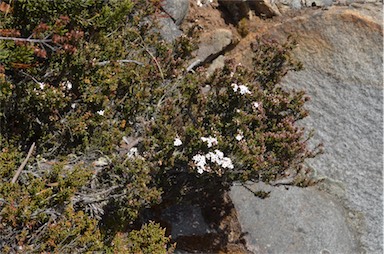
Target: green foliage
pixel 38 215
pixel 10 157
pixel 255 129
pixel 97 89
pixel 149 239
pixel 243 27
pixel 57 90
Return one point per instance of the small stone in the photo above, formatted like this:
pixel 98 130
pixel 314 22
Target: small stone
pixel 176 9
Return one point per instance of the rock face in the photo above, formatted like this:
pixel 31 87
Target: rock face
pixel 244 9
pixel 341 50
pixel 168 29
pixel 176 9
pixel 186 220
pixel 295 221
pixel 212 44
pixel 170 20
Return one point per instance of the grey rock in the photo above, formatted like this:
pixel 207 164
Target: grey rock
pixel 185 220
pixel 176 9
pixel 296 4
pixel 169 31
pixel 318 3
pixel 292 221
pixel 342 53
pixel 212 44
pixel 216 64
pixel 265 8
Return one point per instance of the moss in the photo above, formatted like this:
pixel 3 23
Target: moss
pixel 243 27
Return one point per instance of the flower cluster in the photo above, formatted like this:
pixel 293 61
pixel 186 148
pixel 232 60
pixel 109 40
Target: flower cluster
pixel 177 142
pixel 242 89
pixel 217 157
pixel 210 141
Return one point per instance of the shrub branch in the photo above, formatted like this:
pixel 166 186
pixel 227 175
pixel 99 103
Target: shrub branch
pixel 14 179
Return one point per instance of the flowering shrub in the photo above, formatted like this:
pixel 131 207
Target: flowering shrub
pixel 111 107
pixel 242 129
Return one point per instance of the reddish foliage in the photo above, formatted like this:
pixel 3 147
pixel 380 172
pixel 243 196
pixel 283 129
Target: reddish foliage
pixel 9 32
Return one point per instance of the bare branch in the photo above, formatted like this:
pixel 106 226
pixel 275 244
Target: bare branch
pixel 14 179
pixel 193 65
pixel 119 61
pixel 44 41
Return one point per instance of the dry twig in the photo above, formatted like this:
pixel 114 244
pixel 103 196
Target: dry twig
pixel 14 179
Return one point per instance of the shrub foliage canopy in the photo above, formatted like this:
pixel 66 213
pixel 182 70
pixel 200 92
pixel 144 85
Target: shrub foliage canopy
pixel 119 124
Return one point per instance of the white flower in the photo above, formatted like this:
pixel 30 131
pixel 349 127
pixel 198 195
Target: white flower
pixel 199 3
pixel 218 158
pixel 100 112
pixel 42 85
pixel 68 85
pixel 227 163
pixel 219 154
pixel 200 162
pixel 241 88
pixel 215 157
pixel 212 157
pixel 177 142
pixel 73 105
pixel 210 141
pixel 235 87
pixel 239 137
pixel 255 104
pixel 244 90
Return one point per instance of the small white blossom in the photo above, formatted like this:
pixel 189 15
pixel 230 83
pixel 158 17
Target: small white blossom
pixel 218 158
pixel 199 3
pixel 241 88
pixel 73 105
pixel 210 141
pixel 200 162
pixel 235 87
pixel 227 163
pixel 255 105
pixel 239 137
pixel 68 85
pixel 177 142
pixel 244 90
pixel 100 112
pixel 42 85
